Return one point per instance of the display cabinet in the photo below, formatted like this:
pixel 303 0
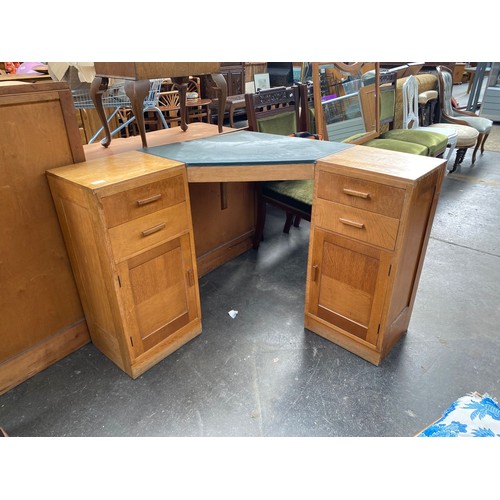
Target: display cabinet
pixel 370 226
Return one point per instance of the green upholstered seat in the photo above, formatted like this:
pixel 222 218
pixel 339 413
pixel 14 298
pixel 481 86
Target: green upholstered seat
pixel 433 141
pixel 401 146
pixel 296 194
pixel 282 124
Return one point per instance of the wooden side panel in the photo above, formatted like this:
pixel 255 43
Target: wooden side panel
pixel 38 295
pixel 19 368
pixel 223 221
pixel 422 207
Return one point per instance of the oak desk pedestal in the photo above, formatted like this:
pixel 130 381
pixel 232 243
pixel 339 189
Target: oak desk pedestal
pixel 127 224
pixel 370 227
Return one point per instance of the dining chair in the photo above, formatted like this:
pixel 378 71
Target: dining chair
pixel 276 111
pixel 451 115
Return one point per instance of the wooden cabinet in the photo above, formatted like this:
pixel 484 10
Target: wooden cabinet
pixel 372 215
pixel 234 74
pixel 42 316
pixel 127 225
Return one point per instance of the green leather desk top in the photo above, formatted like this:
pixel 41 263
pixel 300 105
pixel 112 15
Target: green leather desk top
pixel 247 148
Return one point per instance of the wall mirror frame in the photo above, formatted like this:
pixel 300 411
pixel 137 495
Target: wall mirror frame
pixel 346 100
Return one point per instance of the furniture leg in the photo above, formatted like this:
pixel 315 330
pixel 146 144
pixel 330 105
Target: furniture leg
pixel 288 222
pixel 260 217
pixel 182 83
pixel 221 91
pixel 479 141
pixel 484 140
pixel 136 91
pixel 98 86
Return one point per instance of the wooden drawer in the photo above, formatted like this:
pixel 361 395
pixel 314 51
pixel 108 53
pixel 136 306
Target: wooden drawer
pixel 359 193
pixel 376 229
pixel 152 229
pixel 143 200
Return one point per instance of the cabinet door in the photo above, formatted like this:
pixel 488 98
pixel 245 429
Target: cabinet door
pixel 160 293
pixel 347 284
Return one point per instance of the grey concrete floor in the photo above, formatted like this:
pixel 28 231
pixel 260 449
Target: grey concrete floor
pixel 263 374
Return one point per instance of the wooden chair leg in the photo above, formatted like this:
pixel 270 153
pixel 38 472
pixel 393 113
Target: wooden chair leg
pixel 289 222
pixel 484 140
pixel 459 158
pixel 479 141
pixel 296 222
pixel 258 235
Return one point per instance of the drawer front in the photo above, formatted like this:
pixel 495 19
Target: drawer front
pixel 376 229
pixel 137 235
pixel 373 196
pixel 143 200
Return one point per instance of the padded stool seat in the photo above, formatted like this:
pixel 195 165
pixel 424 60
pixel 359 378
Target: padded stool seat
pixel 401 146
pixel 433 141
pixel 466 138
pixel 296 194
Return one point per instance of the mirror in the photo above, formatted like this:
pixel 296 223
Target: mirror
pixel 346 101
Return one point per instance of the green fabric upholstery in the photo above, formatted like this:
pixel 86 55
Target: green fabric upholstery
pixel 282 124
pixel 354 137
pixel 435 142
pixel 401 146
pixel 297 194
pixel 312 121
pixel 387 101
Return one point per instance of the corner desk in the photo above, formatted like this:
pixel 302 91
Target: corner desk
pixel 127 223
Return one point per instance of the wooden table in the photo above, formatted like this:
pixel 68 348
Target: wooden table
pixel 137 76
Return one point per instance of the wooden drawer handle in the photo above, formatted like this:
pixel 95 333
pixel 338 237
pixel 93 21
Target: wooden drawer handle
pixel 357 194
pixel 352 223
pixel 151 199
pixel 153 229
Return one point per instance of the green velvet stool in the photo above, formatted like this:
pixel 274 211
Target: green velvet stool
pixel 435 142
pixel 400 146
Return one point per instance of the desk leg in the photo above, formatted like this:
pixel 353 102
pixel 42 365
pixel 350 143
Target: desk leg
pixel 137 91
pixel 221 92
pixel 98 86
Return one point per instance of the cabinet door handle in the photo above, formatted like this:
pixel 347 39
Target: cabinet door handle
pixel 190 276
pixel 352 223
pixel 315 273
pixel 357 194
pixel 151 199
pixel 153 229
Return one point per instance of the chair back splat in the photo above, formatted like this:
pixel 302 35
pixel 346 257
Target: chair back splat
pixel 274 110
